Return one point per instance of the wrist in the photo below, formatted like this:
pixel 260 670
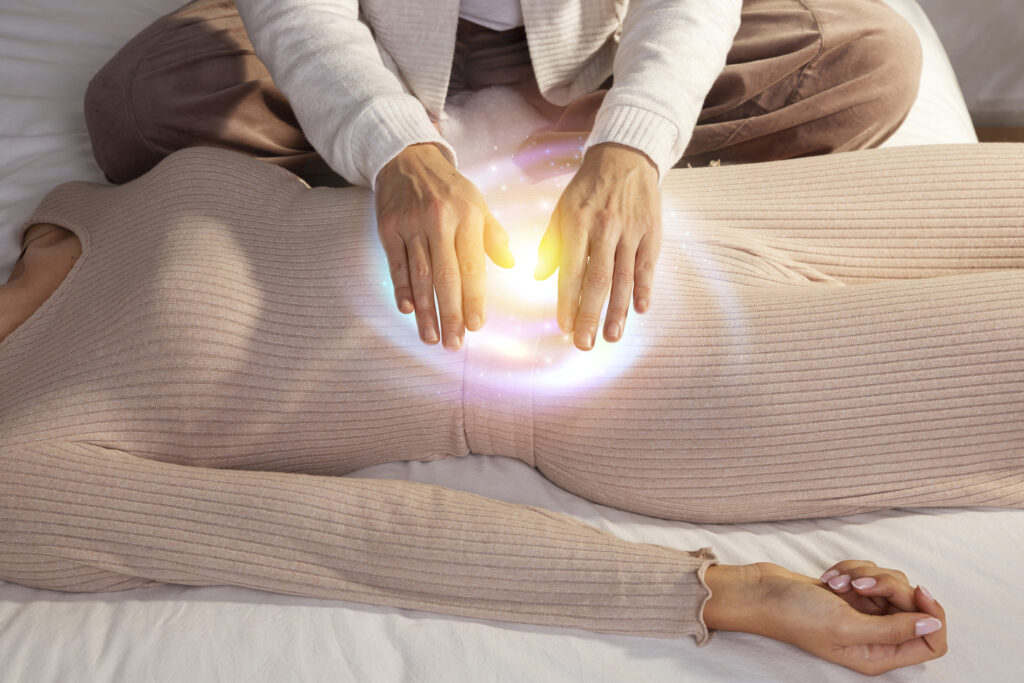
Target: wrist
pixel 619 154
pixel 417 152
pixel 734 597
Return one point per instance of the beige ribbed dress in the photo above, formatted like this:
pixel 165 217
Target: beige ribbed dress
pixel 828 335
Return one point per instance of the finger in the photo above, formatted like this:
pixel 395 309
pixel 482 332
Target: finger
pixel 422 281
pixel 891 629
pixel 928 604
pixel 549 250
pixel 398 265
pixel 622 291
pixel 597 281
pixel 571 266
pixel 840 567
pixel 881 583
pixel 469 248
pixel 646 257
pixel 444 263
pixel 496 242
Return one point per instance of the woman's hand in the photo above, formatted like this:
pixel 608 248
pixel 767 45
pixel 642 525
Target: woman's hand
pixel 605 233
pixel 435 228
pixel 870 629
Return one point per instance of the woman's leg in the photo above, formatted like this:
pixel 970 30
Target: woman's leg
pixel 828 335
pixel 192 78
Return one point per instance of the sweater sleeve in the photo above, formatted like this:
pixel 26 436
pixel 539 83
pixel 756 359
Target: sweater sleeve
pixel 81 517
pixel 355 112
pixel 669 55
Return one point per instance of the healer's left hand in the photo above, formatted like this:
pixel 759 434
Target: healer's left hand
pixel 605 233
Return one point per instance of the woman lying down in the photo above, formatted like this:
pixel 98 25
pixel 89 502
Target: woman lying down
pixel 188 366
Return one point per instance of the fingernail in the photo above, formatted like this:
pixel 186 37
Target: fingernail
pixel 473 322
pixel 926 626
pixel 829 574
pixel 454 342
pixel 405 306
pixel 926 593
pixel 590 340
pixel 641 305
pixel 613 331
pixel 431 336
pixel 839 581
pixel 863 582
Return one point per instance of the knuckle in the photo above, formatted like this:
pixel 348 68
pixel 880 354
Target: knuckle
pixel 616 314
pixel 839 631
pixel 398 266
pixel 604 217
pixel 645 263
pixel 588 320
pixel 895 633
pixel 387 224
pixel 624 276
pixel 421 272
pixel 598 277
pixel 472 267
pixel 446 275
pixel 449 320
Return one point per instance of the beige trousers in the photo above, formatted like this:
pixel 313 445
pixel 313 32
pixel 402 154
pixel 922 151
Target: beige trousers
pixel 803 77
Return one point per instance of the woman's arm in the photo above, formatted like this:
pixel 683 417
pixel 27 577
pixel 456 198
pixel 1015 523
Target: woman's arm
pixel 875 625
pixel 669 55
pixel 79 517
pixel 76 516
pixel 355 112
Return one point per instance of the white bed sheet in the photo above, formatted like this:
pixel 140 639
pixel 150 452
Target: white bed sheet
pixel 968 557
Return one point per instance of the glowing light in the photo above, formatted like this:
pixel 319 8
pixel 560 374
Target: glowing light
pixel 521 346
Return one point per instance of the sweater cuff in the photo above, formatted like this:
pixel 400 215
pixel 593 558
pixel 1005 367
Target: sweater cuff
pixel 652 134
pixel 386 127
pixel 704 635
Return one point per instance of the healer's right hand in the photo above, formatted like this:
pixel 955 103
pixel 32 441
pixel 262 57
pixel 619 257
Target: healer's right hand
pixel 435 228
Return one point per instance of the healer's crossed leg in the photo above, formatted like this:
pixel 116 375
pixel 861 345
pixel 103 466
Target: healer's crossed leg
pixel 827 335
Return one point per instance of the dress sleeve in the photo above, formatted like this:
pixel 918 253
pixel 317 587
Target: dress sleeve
pixel 355 112
pixel 670 53
pixel 81 517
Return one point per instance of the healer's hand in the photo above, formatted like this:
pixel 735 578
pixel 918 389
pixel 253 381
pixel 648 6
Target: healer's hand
pixel 873 629
pixel 435 228
pixel 605 233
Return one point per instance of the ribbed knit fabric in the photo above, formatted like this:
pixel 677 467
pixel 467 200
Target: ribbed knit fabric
pixel 827 335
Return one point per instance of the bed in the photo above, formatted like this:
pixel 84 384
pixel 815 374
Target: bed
pixel 968 557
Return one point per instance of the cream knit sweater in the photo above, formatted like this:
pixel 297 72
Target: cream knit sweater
pixel 366 78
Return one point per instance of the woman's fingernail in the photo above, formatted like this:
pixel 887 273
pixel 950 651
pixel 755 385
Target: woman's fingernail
pixel 641 305
pixel 473 322
pixel 841 581
pixel 405 306
pixel 926 626
pixel 829 574
pixel 431 336
pixel 926 593
pixel 863 582
pixel 613 331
